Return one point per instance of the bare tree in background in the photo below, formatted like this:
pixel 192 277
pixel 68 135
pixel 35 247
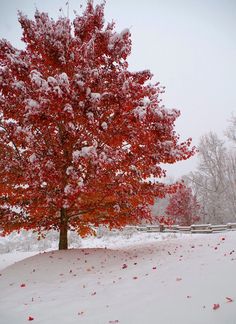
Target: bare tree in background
pixel 214 182
pixel 231 165
pixel 231 130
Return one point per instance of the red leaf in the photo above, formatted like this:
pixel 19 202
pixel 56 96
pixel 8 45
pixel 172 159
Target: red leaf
pixel 22 285
pixel 81 313
pixel 216 306
pixel 30 318
pixel 229 300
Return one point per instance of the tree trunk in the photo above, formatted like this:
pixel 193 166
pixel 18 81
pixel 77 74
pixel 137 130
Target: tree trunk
pixel 63 239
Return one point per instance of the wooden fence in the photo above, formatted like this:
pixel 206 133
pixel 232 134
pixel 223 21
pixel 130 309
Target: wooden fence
pixel 197 228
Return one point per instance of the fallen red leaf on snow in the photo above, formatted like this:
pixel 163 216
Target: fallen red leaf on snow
pixel 216 306
pixel 124 266
pixel 135 278
pixel 80 313
pixel 229 300
pixel 30 318
pixel 22 285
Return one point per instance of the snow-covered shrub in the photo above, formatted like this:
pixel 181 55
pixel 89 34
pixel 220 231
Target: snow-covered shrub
pixel 28 241
pixel 127 231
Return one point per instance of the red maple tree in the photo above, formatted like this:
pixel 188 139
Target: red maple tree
pixel 183 208
pixel 79 133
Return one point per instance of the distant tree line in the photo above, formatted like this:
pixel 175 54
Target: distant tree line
pixel 210 191
pixel 214 181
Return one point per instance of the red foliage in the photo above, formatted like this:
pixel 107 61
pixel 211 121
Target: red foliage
pixel 79 132
pixel 216 306
pixel 163 220
pixel 183 207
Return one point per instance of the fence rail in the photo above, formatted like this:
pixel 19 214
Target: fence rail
pixel 195 228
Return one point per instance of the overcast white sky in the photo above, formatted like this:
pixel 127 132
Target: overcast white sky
pixel 189 46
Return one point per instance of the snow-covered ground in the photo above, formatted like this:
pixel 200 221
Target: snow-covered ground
pixel 139 278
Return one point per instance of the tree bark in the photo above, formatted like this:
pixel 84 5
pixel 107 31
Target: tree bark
pixel 63 238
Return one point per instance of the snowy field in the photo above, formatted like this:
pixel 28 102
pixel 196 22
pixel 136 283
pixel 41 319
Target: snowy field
pixel 139 278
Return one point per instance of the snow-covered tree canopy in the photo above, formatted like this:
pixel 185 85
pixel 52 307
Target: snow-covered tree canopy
pixel 79 132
